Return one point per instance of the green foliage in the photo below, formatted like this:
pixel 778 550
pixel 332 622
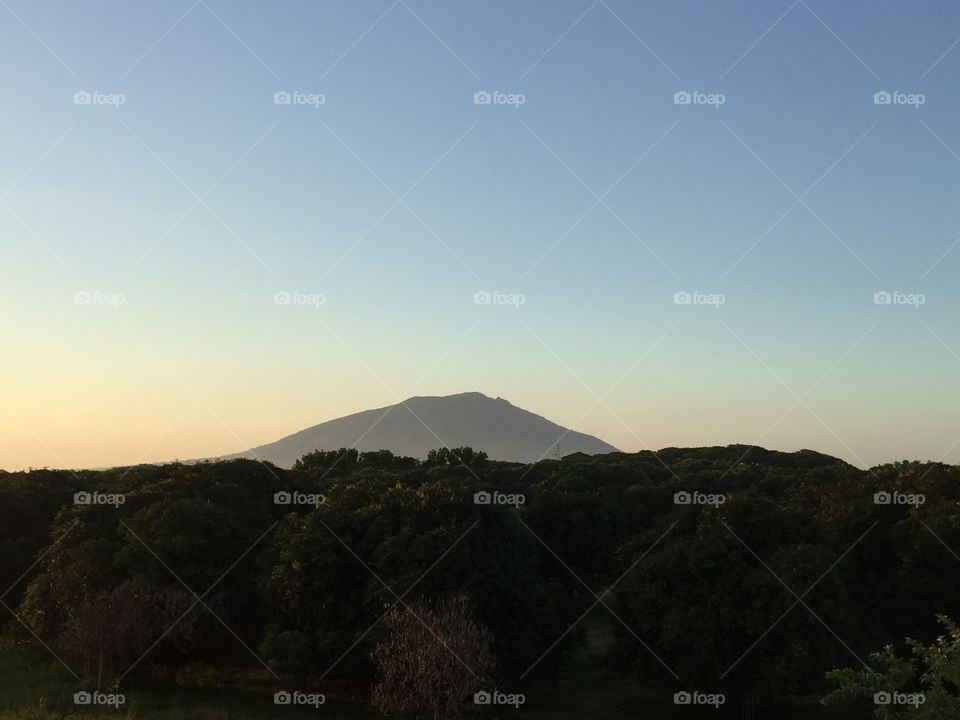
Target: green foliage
pixel 455 457
pixel 330 574
pixel 346 460
pixel 720 580
pixel 304 587
pixel 178 532
pixel 925 685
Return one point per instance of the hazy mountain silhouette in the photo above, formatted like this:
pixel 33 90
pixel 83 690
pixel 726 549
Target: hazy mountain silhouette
pixel 503 431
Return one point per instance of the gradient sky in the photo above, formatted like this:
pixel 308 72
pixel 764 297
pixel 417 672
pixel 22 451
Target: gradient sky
pixel 598 199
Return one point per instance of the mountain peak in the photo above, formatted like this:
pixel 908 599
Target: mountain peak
pixel 471 395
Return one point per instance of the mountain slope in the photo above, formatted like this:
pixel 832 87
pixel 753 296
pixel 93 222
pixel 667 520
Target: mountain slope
pixel 420 424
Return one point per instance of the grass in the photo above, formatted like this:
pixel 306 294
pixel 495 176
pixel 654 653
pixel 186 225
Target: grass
pixel 26 677
pixel 35 687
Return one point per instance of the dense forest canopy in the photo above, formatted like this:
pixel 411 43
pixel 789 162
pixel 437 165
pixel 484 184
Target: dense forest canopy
pixel 728 569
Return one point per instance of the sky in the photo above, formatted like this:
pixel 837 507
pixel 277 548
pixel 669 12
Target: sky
pixel 663 223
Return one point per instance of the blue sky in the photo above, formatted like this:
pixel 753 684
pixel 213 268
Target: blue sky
pixel 183 210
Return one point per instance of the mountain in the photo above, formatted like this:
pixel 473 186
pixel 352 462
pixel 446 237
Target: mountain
pixel 503 431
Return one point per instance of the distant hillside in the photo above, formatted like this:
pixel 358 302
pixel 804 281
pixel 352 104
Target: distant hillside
pixel 420 424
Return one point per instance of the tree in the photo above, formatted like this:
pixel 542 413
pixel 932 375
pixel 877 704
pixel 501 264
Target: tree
pixel 344 460
pixel 709 584
pixel 179 522
pixel 433 660
pixel 926 685
pixel 109 631
pixel 430 537
pixel 456 457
